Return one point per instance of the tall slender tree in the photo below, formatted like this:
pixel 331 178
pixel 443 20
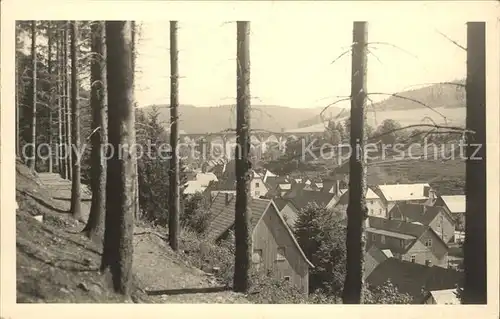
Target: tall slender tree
pixel 356 209
pixel 95 225
pixel 174 202
pixel 243 173
pixel 18 130
pixel 34 101
pixel 67 66
pixel 59 92
pixel 64 98
pixel 475 264
pixel 119 221
pixel 136 190
pixel 75 125
pixel 51 99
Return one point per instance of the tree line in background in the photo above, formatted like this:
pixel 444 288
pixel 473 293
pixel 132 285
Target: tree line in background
pixel 69 91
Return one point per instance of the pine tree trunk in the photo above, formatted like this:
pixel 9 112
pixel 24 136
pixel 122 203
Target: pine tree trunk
pixel 64 99
pixel 119 219
pixel 173 212
pixel 69 152
pixel 242 230
pixel 32 153
pixel 18 131
pixel 356 210
pixel 95 225
pixel 51 100
pixel 64 94
pixel 60 160
pixel 75 125
pixel 475 264
pixel 136 186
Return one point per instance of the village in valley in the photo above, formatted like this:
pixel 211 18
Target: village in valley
pixel 254 203
pixel 413 233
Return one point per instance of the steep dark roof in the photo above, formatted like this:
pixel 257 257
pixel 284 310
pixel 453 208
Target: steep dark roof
pixel 412 277
pixel 223 211
pixel 295 188
pixel 280 203
pixel 397 226
pixel 223 214
pixel 305 197
pixel 398 229
pixel 378 257
pixel 416 212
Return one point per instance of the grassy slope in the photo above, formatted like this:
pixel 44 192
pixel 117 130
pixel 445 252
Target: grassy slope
pixel 56 264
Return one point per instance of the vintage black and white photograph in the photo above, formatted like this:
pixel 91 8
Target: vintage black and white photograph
pixel 269 161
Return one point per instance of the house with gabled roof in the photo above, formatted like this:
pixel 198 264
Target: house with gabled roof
pixel 414 279
pixel 455 206
pixel 442 297
pixel 374 203
pixel 274 247
pixel 433 216
pixel 227 184
pixel 278 185
pixel 413 242
pixel 418 193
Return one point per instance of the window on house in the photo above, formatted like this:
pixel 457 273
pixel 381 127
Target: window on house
pixel 371 211
pixel 374 237
pixel 382 239
pixel 281 254
pixel 257 193
pixel 413 258
pixel 286 278
pixel 380 211
pixel 402 243
pixel 427 262
pixel 256 184
pixel 428 243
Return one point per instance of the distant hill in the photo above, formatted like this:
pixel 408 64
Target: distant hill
pixel 214 119
pixel 442 100
pixel 439 102
pixel 435 96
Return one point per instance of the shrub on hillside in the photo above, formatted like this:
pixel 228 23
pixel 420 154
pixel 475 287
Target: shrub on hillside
pixel 196 214
pixel 211 257
pixel 322 235
pixel 266 289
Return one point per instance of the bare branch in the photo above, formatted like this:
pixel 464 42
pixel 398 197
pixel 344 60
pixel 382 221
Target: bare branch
pixel 394 46
pixel 331 104
pixel 451 40
pixel 410 99
pixel 92 133
pixel 341 55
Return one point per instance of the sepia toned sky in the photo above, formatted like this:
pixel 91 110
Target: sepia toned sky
pixel 291 60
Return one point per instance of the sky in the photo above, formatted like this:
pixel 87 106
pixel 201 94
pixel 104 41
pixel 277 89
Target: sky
pixel 291 61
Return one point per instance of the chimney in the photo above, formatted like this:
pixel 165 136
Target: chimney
pixel 337 187
pixel 432 194
pixel 426 191
pixel 227 199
